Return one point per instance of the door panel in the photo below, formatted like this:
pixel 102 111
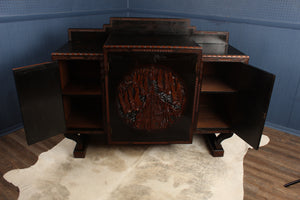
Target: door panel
pixel 151 97
pixel 39 92
pixel 255 89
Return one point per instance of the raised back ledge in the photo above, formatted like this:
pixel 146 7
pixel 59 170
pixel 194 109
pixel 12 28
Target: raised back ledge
pixel 210 37
pixel 147 26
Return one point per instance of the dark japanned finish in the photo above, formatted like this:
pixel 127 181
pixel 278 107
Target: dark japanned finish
pixel 214 143
pixel 255 86
pixel 40 99
pixel 73 47
pixel 154 98
pixel 150 26
pixel 81 144
pixel 220 49
pixel 79 51
pixel 222 93
pixel 96 36
pixel 150 40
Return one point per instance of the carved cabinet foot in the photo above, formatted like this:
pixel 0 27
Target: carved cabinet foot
pixel 214 143
pixel 81 144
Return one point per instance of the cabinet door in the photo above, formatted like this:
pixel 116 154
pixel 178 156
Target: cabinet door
pixel 39 92
pixel 255 89
pixel 151 97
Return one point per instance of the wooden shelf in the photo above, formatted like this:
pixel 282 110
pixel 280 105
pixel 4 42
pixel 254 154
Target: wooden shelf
pixel 76 88
pixel 213 84
pixel 209 118
pixel 87 119
pixel 83 112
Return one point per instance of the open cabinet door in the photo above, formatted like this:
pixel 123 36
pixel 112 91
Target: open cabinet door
pixel 255 89
pixel 39 92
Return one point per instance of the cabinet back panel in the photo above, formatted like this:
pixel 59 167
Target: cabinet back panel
pixel 81 77
pixel 85 112
pixel 215 111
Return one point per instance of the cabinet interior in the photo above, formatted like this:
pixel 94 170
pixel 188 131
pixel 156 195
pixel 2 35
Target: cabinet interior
pixel 218 97
pixel 80 77
pixel 83 112
pixel 82 94
pixel 217 78
pixel 215 111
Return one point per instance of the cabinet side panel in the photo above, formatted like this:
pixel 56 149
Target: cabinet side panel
pixel 40 99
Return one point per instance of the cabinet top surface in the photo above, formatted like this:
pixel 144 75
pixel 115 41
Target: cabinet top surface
pixel 155 40
pixel 148 33
pixel 96 49
pixel 80 47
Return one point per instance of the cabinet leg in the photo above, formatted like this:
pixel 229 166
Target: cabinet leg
pixel 214 143
pixel 81 144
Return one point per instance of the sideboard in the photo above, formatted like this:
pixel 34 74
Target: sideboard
pixel 145 81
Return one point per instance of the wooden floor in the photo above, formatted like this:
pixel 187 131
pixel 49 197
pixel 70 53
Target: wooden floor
pixel 265 171
pixel 272 166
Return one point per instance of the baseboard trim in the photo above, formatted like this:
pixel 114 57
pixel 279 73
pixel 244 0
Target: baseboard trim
pixel 270 23
pixel 11 129
pixel 14 18
pixel 282 128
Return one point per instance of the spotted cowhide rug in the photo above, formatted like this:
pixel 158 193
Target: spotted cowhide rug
pixel 156 172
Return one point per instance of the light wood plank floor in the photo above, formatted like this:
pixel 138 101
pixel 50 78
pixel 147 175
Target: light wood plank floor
pixel 265 170
pixel 272 166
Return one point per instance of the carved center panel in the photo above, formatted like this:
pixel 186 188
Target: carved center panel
pixel 151 98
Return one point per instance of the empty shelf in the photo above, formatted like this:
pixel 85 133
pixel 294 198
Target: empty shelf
pixel 209 118
pixel 213 84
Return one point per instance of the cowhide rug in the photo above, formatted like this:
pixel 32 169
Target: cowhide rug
pixel 155 172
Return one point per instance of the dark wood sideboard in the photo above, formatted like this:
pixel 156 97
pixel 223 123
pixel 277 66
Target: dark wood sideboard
pixel 145 81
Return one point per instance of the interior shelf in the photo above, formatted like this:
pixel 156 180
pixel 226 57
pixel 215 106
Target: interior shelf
pixel 210 118
pixel 213 84
pixel 83 112
pixel 79 119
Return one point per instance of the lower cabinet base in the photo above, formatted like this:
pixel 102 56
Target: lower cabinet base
pixel 79 152
pixel 81 144
pixel 213 143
